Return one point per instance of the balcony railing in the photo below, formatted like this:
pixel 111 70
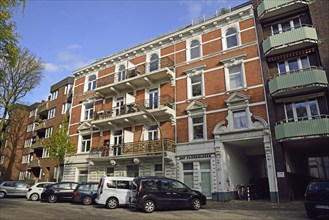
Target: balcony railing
pixel 316 126
pixel 133 148
pixel 36 145
pixel 292 39
pixel 43 107
pixel 136 77
pixel 313 78
pixel 40 125
pixel 130 108
pixel 34 163
pixel 273 8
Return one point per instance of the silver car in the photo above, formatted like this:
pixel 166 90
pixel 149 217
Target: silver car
pixel 13 188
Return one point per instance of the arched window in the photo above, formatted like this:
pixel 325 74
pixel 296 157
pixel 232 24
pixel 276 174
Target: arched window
pixel 91 82
pixel 154 62
pixel 195 49
pixel 122 73
pixel 231 37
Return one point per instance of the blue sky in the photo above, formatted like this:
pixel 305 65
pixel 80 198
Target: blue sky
pixel 69 34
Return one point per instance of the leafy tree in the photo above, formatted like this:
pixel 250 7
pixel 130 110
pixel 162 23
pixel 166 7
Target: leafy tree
pixel 8 36
pixel 17 80
pixel 58 145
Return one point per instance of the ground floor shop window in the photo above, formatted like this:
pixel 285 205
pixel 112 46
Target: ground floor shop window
pixel 157 169
pixel 110 171
pixel 82 176
pixel 132 171
pixel 188 174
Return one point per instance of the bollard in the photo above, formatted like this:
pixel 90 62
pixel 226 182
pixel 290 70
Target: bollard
pixel 248 193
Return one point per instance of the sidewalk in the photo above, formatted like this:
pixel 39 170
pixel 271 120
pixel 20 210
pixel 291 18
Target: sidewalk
pixel 255 205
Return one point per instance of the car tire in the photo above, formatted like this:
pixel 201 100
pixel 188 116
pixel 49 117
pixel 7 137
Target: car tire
pixel 34 197
pixel 52 198
pixel 196 204
pixel 112 203
pixel 2 194
pixel 149 206
pixel 311 215
pixel 87 200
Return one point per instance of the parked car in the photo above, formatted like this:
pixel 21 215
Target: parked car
pixel 13 188
pixel 85 193
pixel 34 192
pixel 114 191
pixel 58 191
pixel 153 193
pixel 317 198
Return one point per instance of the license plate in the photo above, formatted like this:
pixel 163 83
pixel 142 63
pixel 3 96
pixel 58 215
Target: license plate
pixel 322 206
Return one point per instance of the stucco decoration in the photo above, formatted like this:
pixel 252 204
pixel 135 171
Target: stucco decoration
pixel 259 122
pixel 219 128
pixel 196 106
pixel 85 126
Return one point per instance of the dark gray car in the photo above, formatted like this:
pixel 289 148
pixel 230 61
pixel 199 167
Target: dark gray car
pixel 13 188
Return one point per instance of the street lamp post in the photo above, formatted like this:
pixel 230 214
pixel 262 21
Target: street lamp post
pixel 161 137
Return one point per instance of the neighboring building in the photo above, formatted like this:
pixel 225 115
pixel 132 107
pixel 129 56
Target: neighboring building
pixel 24 157
pixel 12 164
pixel 190 102
pixel 294 45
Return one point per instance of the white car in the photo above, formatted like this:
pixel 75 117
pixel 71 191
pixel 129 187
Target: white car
pixel 34 192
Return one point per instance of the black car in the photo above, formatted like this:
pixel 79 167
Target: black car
pixel 317 198
pixel 85 193
pixel 153 193
pixel 58 191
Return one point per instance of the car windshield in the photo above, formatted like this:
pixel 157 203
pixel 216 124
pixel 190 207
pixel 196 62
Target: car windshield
pixel 319 186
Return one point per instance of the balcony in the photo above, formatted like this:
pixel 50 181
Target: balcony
pixel 290 40
pixel 37 145
pixel 303 128
pixel 301 81
pixel 40 125
pixel 276 8
pixel 34 163
pixel 43 108
pixel 136 78
pixel 128 150
pixel 134 113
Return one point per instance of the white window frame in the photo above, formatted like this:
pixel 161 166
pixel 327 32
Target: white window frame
pixel 52 113
pixel 80 150
pixel 67 89
pixel 88 114
pixel 245 117
pixel 228 77
pixel 49 132
pixel 53 95
pixel 26 158
pixel 30 127
pixel 224 40
pixel 66 107
pixel 190 85
pixel 91 84
pixel 33 113
pixel 45 153
pixel 291 23
pixel 188 48
pixel 118 71
pixel 308 110
pixel 299 63
pixel 191 127
pixel 148 58
pixel 28 143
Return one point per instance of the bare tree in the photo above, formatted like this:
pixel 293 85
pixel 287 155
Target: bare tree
pixel 18 78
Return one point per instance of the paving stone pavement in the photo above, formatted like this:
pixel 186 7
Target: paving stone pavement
pixel 255 205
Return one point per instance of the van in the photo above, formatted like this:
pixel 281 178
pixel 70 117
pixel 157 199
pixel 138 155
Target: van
pixel 114 191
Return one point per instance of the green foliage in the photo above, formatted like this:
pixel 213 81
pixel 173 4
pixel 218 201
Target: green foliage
pixel 224 11
pixel 59 144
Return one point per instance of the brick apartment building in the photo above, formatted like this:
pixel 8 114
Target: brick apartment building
pixel 293 38
pixel 26 158
pixel 189 104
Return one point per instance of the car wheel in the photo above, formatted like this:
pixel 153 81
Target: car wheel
pixel 87 200
pixel 112 203
pixel 2 194
pixel 52 199
pixel 149 206
pixel 311 214
pixel 34 197
pixel 196 204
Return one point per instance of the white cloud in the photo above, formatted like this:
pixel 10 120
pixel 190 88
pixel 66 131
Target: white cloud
pixel 51 67
pixel 73 46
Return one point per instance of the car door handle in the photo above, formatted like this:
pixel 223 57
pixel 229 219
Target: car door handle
pixel 174 193
pixel 168 193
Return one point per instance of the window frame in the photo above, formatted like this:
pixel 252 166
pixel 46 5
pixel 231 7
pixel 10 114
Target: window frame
pixel 235 35
pixel 299 63
pixel 86 148
pixel 228 76
pixel 190 85
pixel 88 113
pixel 189 48
pixel 91 83
pixel 192 126
pixel 308 110
pixel 51 113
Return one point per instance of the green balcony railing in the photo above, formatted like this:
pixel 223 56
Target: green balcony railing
pixel 279 42
pixel 271 8
pixel 318 126
pixel 311 77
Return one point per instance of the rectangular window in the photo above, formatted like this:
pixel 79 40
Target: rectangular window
pixel 51 113
pixel 33 113
pixel 89 111
pixel 28 142
pixel 196 85
pixel 235 77
pixel 286 26
pixel 198 128
pixel 158 169
pixel 188 174
pixel 67 89
pixel 85 143
pixel 83 176
pixel 24 175
pixel 49 132
pixel 53 95
pixel 152 132
pixel 110 171
pixel 66 108
pixel 45 153
pixel 2 158
pixel 302 110
pixel 26 158
pixel 240 119
pixel 30 127
pixel 293 65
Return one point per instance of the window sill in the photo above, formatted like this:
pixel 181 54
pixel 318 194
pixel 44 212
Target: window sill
pixel 237 89
pixel 196 98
